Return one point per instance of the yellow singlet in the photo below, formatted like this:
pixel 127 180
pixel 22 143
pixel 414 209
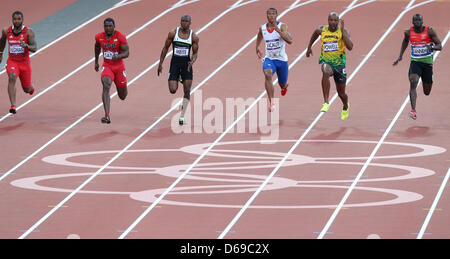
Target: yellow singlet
pixel 333 47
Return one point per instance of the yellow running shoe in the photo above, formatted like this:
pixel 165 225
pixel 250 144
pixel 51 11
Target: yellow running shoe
pixel 344 114
pixel 325 107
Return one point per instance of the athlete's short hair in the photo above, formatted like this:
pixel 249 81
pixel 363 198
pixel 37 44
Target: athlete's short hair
pixel 334 14
pixel 186 16
pixel 109 20
pixel 17 13
pixel 417 16
pixel 272 9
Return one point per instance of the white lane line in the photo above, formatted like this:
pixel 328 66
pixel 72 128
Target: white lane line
pixel 433 207
pixel 441 189
pixel 75 29
pixel 176 5
pixel 234 6
pixel 154 204
pixel 266 181
pixel 375 150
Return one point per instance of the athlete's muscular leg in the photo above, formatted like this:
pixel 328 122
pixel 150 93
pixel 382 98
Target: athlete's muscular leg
pixel 340 88
pixel 268 84
pixel 106 81
pixel 187 95
pixel 413 81
pixel 327 72
pixel 427 88
pixel 122 92
pixel 12 87
pixel 173 86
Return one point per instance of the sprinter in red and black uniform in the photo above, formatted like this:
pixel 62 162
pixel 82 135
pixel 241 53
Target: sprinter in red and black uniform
pixel 115 48
pixel 424 41
pixel 21 41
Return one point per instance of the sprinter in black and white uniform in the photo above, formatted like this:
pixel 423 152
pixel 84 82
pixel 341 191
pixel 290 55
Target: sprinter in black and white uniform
pixel 185 49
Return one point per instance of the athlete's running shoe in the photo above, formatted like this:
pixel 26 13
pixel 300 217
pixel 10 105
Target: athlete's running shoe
pixel 344 114
pixel 106 120
pixel 181 121
pixel 12 109
pixel 31 92
pixel 271 106
pixel 284 90
pixel 325 107
pixel 412 114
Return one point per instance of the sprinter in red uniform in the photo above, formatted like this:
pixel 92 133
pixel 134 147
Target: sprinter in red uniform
pixel 115 48
pixel 21 41
pixel 424 41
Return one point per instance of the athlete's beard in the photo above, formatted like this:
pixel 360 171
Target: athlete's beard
pixel 109 34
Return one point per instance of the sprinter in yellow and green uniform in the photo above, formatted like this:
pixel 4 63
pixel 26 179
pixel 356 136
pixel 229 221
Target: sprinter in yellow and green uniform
pixel 424 41
pixel 334 40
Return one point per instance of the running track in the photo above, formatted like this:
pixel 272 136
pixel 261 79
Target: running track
pixel 375 175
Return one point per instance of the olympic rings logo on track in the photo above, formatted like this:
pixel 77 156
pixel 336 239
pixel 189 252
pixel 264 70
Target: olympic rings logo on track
pixel 241 181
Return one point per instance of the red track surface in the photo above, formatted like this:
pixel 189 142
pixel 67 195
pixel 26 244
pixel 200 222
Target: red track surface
pixel 299 199
pixel 33 11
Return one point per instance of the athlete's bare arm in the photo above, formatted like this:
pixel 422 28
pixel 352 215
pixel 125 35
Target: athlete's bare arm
pixel 195 41
pixel 165 49
pixel 124 52
pixel 97 50
pixel 259 38
pixel 405 43
pixel 433 36
pixel 2 43
pixel 346 36
pixel 32 46
pixel 314 37
pixel 284 33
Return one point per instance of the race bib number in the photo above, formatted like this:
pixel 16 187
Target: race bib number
pixel 181 51
pixel 16 49
pixel 273 44
pixel 273 48
pixel 420 51
pixel 109 54
pixel 330 46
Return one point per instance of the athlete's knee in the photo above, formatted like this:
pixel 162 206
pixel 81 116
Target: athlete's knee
pixel 342 94
pixel 123 93
pixel 172 89
pixel 12 77
pixel 327 70
pixel 173 86
pixel 414 80
pixel 268 74
pixel 106 82
pixel 427 89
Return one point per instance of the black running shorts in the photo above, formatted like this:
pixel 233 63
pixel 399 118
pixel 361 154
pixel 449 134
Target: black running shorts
pixel 423 70
pixel 178 69
pixel 339 73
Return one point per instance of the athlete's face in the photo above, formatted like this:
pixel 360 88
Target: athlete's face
pixel 185 23
pixel 17 20
pixel 417 22
pixel 272 16
pixel 333 22
pixel 109 28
